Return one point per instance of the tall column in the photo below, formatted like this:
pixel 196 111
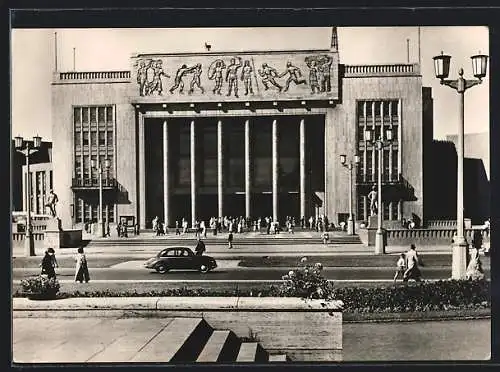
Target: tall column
pixel 142 175
pixel 247 168
pixel 193 174
pixel 166 191
pixel 302 161
pixel 275 168
pixel 220 174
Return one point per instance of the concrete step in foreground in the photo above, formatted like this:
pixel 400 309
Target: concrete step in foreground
pixel 182 340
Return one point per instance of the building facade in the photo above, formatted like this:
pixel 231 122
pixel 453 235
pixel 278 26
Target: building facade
pixel 196 135
pixel 40 161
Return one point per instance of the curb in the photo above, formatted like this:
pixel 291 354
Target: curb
pixel 80 307
pixel 466 314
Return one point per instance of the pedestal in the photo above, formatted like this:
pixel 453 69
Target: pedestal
pixel 459 260
pixel 372 222
pixel 53 234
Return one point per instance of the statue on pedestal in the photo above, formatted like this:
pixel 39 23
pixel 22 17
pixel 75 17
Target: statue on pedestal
pixel 51 203
pixel 372 196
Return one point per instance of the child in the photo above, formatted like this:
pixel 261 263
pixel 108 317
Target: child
pixel 401 267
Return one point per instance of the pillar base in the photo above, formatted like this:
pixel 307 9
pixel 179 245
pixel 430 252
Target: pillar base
pixel 379 242
pixel 459 259
pixel 350 227
pixel 29 246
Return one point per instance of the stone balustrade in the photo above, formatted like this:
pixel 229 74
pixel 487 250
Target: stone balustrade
pixel 440 224
pixel 434 236
pixel 381 70
pixel 20 236
pixel 93 75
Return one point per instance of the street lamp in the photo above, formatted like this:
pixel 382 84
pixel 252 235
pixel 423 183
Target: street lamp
pixel 350 165
pixel 380 144
pixel 100 169
pixel 442 69
pixel 26 148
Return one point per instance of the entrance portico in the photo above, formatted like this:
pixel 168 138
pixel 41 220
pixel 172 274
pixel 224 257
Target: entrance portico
pixel 229 165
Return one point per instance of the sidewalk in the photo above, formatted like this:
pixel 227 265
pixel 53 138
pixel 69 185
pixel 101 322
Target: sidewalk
pixel 222 250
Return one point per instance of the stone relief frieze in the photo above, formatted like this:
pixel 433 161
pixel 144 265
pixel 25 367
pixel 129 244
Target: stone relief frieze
pixel 233 76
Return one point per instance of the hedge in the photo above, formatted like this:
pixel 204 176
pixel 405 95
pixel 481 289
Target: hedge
pixel 424 296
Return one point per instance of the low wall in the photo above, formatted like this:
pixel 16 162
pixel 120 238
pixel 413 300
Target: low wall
pixel 432 236
pixel 435 236
pixel 306 330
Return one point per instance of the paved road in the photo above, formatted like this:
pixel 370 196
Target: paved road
pixel 78 339
pixel 232 273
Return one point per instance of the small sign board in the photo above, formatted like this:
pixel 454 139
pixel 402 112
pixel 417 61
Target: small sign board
pixel 129 221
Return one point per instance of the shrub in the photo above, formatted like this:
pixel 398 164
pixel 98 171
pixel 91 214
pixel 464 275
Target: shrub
pixel 40 285
pixel 307 282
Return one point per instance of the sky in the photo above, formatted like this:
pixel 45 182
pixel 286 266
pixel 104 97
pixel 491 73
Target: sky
pixel 33 61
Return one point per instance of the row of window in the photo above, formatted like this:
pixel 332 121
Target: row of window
pixel 93 114
pixel 387 109
pixel 94 140
pixel 40 183
pixel 87 211
pixel 390 209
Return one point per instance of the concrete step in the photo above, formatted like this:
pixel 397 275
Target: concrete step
pixel 181 341
pixel 251 352
pixel 222 346
pixel 278 358
pixel 237 241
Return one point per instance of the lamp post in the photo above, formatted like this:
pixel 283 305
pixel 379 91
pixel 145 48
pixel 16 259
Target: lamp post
pixel 380 144
pixel 26 148
pixel 99 167
pixel 442 69
pixel 350 165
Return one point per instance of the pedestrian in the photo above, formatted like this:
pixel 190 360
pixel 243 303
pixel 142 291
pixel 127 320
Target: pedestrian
pixel 230 240
pixel 400 267
pixel 119 229
pixel 49 263
pixel 106 230
pixel 200 247
pixel 326 237
pixel 177 230
pixel 81 269
pixel 412 262
pixel 475 268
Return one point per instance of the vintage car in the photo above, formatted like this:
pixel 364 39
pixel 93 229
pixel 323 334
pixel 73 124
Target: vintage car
pixel 180 258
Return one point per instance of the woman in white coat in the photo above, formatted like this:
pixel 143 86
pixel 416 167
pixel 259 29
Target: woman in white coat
pixel 81 270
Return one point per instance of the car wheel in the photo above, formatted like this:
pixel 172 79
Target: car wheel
pixel 204 268
pixel 161 268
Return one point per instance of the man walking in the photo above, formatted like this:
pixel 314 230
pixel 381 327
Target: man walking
pixel 412 262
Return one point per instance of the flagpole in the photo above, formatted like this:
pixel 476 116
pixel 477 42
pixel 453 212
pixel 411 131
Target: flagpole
pixel 55 51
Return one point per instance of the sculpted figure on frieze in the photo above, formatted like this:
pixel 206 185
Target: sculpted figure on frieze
pixel 294 75
pixel 246 77
pixel 215 72
pixel 232 76
pixel 269 74
pixel 149 75
pixel 319 72
pixel 195 81
pixel 179 75
pixel 141 76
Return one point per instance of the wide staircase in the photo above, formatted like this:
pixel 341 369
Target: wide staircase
pixel 148 238
pixel 186 340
